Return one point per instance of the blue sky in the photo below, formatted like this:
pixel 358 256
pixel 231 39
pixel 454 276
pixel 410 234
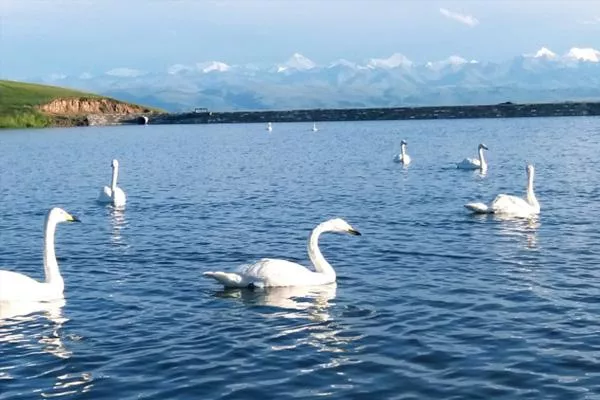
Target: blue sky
pixel 40 37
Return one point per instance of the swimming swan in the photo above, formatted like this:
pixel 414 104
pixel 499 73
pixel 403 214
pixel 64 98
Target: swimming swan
pixel 315 129
pixel 270 272
pixel 511 205
pixel 402 157
pixel 473 163
pixel 19 287
pixel 113 194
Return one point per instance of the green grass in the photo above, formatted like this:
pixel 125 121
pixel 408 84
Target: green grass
pixel 19 102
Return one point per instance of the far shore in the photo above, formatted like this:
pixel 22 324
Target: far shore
pixel 502 110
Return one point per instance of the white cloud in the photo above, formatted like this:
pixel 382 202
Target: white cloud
pixel 462 18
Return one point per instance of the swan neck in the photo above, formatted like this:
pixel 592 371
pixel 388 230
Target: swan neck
pixel 482 159
pixel 315 255
pixel 403 150
pixel 113 182
pixel 50 264
pixel 531 199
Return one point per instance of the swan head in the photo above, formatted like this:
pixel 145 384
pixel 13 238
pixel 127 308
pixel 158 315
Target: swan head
pixel 341 226
pixel 530 170
pixel 483 146
pixel 115 164
pixel 59 215
pixel 403 143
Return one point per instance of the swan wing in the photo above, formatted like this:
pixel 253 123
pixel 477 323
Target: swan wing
pixel 479 208
pixel 15 286
pixel 230 280
pixel 105 195
pixel 398 158
pixel 270 272
pixel 469 163
pixel 514 205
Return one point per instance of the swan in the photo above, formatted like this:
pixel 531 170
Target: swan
pixel 269 127
pixel 270 272
pixel 511 205
pixel 19 287
pixel 402 157
pixel 473 163
pixel 315 129
pixel 113 194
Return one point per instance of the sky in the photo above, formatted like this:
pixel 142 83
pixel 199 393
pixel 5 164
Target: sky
pixel 43 37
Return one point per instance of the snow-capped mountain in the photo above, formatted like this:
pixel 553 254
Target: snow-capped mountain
pixel 296 62
pixel 394 61
pixel 299 82
pixel 587 54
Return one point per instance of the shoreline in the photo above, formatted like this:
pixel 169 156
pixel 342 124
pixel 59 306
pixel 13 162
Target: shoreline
pixel 502 110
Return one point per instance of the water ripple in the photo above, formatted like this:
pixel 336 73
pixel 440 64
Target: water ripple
pixel 430 302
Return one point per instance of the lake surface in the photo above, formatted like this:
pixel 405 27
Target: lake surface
pixel 431 302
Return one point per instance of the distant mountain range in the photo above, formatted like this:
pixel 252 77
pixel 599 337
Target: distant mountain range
pixel 299 82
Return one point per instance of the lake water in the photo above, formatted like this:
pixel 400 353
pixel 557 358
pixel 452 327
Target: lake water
pixel 430 303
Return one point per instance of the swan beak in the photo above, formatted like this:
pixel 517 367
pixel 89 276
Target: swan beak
pixel 72 218
pixel 354 232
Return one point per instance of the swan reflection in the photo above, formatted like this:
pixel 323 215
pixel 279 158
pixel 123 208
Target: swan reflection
pixel 118 222
pixel 312 299
pixel 295 304
pixel 13 315
pixel 35 328
pixel 521 228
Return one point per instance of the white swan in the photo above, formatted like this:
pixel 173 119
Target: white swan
pixel 473 163
pixel 511 205
pixel 19 287
pixel 274 272
pixel 269 127
pixel 113 194
pixel 315 129
pixel 402 157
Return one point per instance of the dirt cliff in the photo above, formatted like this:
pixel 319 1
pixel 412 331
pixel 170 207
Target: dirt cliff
pixel 75 106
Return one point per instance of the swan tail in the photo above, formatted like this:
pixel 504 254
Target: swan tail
pixel 227 279
pixel 479 208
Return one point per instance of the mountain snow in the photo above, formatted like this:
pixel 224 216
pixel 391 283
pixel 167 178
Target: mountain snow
pixel 213 66
pixel 584 54
pixel 379 82
pixel 545 53
pixel 394 61
pixel 178 68
pixel 450 61
pixel 296 62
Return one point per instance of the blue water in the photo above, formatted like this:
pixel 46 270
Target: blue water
pixel 431 302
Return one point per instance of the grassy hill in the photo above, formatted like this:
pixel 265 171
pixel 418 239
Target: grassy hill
pixel 25 105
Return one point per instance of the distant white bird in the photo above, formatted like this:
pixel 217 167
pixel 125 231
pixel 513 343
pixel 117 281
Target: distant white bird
pixel 402 157
pixel 274 272
pixel 511 205
pixel 473 163
pixel 315 129
pixel 269 127
pixel 18 287
pixel 113 195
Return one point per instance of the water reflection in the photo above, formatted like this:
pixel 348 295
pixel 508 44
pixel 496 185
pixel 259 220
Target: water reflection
pixel 295 304
pixel 16 316
pixel 35 328
pixel 526 229
pixel 313 299
pixel 118 223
